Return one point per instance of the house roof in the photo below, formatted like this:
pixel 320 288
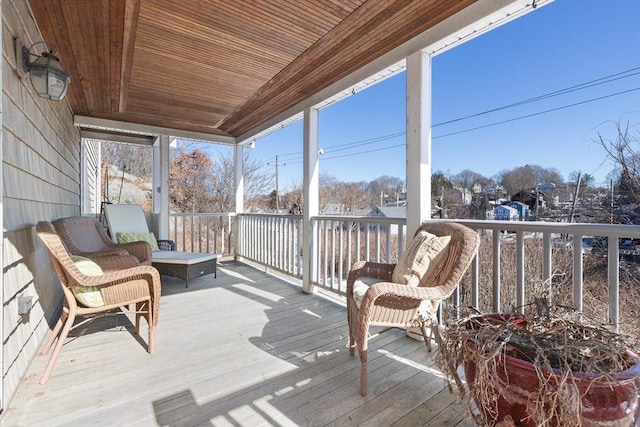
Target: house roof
pixel 389 211
pixel 506 208
pixel 228 70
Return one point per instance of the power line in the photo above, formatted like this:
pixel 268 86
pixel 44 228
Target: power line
pixel 358 153
pixel 585 85
pixel 537 114
pixel 581 86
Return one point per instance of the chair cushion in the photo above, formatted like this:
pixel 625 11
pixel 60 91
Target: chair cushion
pixel 362 284
pixel 423 257
pixel 89 296
pixel 360 287
pixel 150 238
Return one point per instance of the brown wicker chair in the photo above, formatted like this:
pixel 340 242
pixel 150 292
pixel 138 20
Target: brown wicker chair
pixel 139 286
pixel 85 236
pixel 395 305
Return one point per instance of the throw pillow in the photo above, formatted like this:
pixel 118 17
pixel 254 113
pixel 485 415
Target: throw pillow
pixel 415 261
pixel 139 237
pixel 89 296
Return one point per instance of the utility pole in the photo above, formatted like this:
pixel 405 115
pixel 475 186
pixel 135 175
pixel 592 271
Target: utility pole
pixel 276 164
pixel 611 207
pixel 575 198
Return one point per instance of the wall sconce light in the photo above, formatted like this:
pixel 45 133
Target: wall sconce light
pixel 45 72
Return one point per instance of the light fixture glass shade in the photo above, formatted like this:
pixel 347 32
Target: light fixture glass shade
pixel 48 78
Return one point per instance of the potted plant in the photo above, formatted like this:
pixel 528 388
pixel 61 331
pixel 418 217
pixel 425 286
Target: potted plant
pixel 541 371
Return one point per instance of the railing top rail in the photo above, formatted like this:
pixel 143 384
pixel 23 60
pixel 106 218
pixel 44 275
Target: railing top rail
pixel 581 229
pixel 268 215
pixel 365 219
pixel 612 230
pixel 221 214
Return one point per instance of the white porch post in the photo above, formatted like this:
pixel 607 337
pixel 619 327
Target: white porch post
pixel 418 140
pixel 310 186
pixel 161 186
pixel 239 194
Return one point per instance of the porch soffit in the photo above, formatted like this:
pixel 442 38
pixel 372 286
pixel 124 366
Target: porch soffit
pixel 221 68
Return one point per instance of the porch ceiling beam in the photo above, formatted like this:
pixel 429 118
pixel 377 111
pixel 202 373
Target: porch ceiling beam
pixel 85 122
pixel 474 20
pixel 131 12
pixel 117 137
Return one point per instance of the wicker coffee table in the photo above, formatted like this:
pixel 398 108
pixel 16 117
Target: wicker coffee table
pixel 184 265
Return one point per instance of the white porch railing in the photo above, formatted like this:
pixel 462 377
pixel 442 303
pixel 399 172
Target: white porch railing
pixel 203 232
pixel 276 242
pixel 550 233
pixel 272 240
pixel 345 240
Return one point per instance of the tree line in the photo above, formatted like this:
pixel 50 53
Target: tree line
pixel 199 183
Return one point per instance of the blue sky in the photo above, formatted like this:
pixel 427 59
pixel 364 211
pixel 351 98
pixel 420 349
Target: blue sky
pixel 566 44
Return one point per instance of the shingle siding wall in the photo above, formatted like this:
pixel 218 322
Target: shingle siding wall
pixel 41 181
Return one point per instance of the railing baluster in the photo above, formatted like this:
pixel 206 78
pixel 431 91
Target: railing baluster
pixel 388 255
pixel 520 294
pixel 577 273
pixel 547 259
pixel 340 253
pixel 358 232
pixel 367 243
pixel 613 280
pixel 349 258
pixel 475 282
pixel 377 243
pixel 496 270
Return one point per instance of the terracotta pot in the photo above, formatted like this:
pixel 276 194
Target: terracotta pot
pixel 604 403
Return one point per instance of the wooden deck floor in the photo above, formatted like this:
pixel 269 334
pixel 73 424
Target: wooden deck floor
pixel 245 349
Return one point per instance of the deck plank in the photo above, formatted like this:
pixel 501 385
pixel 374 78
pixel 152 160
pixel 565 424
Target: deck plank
pixel 245 349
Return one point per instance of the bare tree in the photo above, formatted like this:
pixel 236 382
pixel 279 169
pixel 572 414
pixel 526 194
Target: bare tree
pixel 519 180
pixel 384 186
pixel 131 158
pixel 352 196
pixel 624 152
pixel 257 181
pixel 189 182
pixel 547 175
pixel 466 179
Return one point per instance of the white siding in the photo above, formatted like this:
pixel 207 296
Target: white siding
pixel 91 190
pixel 41 181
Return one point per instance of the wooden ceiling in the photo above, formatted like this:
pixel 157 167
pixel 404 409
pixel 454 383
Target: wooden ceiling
pixel 219 67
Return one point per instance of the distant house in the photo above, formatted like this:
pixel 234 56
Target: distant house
pixel 523 209
pixel 482 210
pixel 464 194
pixel 389 212
pixel 546 186
pixel 494 189
pixel 530 198
pixel 334 209
pixel 506 213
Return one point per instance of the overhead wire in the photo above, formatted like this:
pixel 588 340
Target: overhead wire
pixel 581 86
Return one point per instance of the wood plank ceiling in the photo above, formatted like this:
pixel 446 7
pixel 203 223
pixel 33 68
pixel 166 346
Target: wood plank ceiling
pixel 221 67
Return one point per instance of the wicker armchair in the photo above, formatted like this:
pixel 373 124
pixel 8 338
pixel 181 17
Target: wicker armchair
pixel 395 305
pixel 85 236
pixel 138 286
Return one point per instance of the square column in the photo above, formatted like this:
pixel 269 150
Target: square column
pixel 310 184
pixel 418 140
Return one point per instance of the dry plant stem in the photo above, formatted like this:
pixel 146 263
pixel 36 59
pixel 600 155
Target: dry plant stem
pixel 556 347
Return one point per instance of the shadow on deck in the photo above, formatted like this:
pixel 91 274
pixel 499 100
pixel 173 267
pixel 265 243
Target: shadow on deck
pixel 245 349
